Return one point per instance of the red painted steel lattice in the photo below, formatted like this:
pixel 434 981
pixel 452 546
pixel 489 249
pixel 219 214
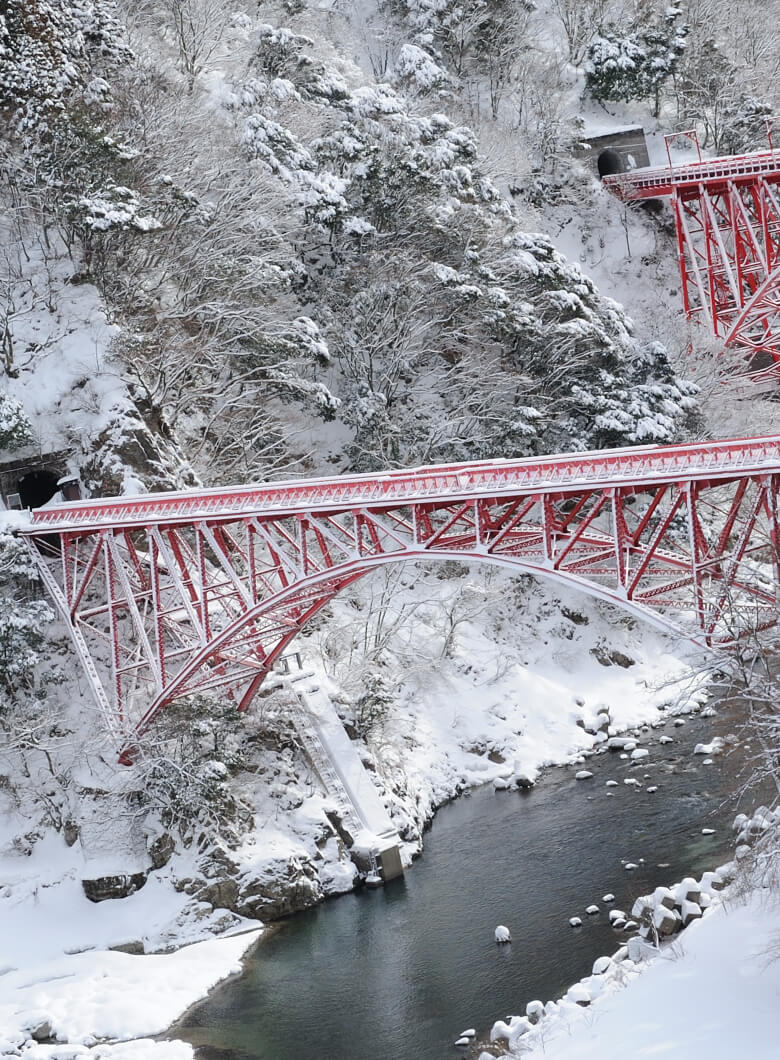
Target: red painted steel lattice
pixel 187 592
pixel 727 218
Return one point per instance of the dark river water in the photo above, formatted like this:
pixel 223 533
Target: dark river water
pixel 399 972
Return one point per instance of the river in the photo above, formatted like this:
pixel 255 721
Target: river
pixel 399 972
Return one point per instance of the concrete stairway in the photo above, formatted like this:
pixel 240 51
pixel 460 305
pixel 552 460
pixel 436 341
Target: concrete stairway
pixel 360 818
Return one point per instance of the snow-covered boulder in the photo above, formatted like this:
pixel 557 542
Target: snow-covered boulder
pixel 714 747
pixel 579 994
pixel 534 1010
pixel 515 1028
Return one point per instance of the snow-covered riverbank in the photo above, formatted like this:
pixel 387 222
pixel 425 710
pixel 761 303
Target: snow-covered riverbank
pixel 62 982
pixel 714 992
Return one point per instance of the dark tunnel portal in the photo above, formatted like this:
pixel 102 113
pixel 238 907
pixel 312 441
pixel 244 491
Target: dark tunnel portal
pixel 609 162
pixel 36 488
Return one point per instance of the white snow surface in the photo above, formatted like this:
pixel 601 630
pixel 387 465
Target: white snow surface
pixel 55 964
pixel 713 993
pixel 99 994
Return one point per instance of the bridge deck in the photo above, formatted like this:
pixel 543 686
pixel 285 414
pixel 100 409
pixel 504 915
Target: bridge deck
pixel 638 466
pixel 654 183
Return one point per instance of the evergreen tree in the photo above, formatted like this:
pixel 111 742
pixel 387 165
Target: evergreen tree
pixel 15 429
pixel 23 622
pixel 635 65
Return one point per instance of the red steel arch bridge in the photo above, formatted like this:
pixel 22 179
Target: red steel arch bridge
pixel 176 593
pixel 727 219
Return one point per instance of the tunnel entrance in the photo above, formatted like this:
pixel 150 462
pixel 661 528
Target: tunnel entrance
pixel 37 487
pixel 610 162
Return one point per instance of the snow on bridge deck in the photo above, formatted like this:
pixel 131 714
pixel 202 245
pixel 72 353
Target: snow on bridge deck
pixel 657 182
pixel 640 466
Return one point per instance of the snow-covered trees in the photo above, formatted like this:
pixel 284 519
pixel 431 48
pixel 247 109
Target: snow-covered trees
pixel 198 27
pixel 23 621
pixel 299 245
pixel 717 97
pixel 15 429
pixel 634 65
pixel 580 21
pixel 708 65
pixel 48 51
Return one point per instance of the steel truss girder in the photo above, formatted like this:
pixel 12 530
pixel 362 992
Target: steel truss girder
pixel 685 537
pixel 729 250
pixel 727 220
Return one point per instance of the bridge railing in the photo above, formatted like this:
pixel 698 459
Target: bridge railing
pixel 612 467
pixel 663 180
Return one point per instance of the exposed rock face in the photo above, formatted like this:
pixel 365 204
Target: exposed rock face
pixel 126 443
pixel 610 657
pixel 105 887
pixel 283 888
pixel 275 896
pixel 134 947
pixel 43 1032
pixel 161 850
pixel 221 894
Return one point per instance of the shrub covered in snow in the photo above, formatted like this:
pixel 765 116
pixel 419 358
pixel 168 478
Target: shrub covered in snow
pixel 15 429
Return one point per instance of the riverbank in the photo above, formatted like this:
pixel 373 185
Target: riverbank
pixel 714 992
pixel 114 995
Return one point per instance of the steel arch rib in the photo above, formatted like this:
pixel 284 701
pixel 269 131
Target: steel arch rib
pixel 762 311
pixel 350 573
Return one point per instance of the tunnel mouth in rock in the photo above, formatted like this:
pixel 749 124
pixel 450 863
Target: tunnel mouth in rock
pixel 609 162
pixel 37 488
